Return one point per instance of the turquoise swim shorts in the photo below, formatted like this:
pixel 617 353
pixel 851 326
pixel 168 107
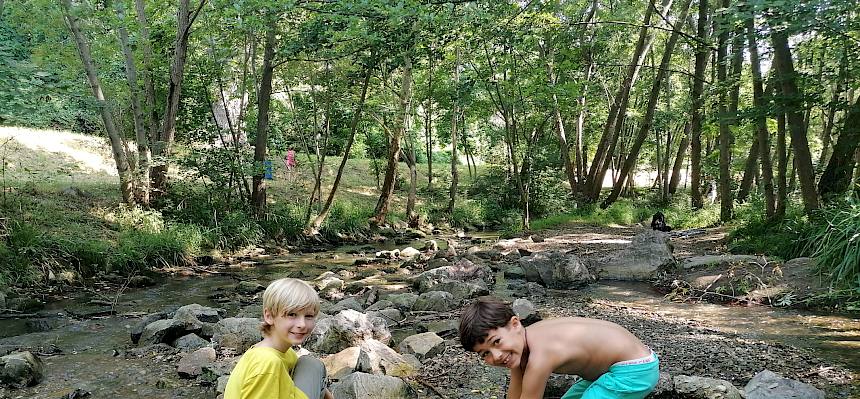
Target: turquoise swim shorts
pixel 631 379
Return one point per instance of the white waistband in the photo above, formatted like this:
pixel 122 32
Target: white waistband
pixel 652 357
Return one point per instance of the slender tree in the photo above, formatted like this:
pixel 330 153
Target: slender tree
pixel 116 142
pixel 793 104
pixel 702 52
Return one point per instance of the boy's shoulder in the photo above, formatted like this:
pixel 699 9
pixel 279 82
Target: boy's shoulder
pixel 260 357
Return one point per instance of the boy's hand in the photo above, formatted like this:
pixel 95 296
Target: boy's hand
pixel 327 394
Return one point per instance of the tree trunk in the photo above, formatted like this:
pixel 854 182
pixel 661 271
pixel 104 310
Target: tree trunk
pixel 258 193
pixel 648 119
pixel 611 129
pixel 563 147
pixel 428 122
pixel 314 227
pixel 702 51
pixel 144 155
pixel 679 160
pixel 452 193
pixel 119 155
pixel 803 158
pixel 837 177
pixel 164 139
pixel 381 211
pixel 762 134
pixel 782 165
pixel 725 144
pixel 750 171
pixel 151 116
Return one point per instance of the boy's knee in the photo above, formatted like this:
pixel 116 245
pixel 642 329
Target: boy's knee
pixel 311 364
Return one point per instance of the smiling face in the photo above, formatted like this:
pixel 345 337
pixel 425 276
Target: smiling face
pixel 290 328
pixel 504 346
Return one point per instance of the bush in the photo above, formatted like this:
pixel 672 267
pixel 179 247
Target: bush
pixel 550 194
pixel 347 218
pixel 785 238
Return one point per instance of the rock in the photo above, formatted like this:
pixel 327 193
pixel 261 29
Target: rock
pixel 393 254
pixel 515 273
pixel 168 330
pixel 368 386
pixel 440 327
pixel 25 304
pixel 665 386
pixel 191 364
pixel 237 333
pixel 462 290
pixel 189 343
pixel 221 385
pixel 403 301
pixel 150 350
pixel 423 346
pixel 345 329
pixel 430 246
pixel 707 260
pixel 329 286
pixel 409 252
pixel 346 362
pixel 705 388
pixel 391 316
pixel 525 311
pixel 140 281
pixel 461 270
pixel 384 360
pixel 350 303
pixel 558 384
pixel 249 287
pixel 381 304
pixel 555 269
pixel 522 288
pixel 199 313
pixel 648 252
pixel 435 301
pixel 2 300
pixel 767 384
pixel 21 369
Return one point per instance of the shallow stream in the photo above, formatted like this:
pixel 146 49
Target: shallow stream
pixel 84 353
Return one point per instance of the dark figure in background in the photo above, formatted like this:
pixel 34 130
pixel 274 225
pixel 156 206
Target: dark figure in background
pixel 658 222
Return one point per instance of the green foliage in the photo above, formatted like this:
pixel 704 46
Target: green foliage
pixel 348 218
pixel 834 240
pixel 549 194
pixel 783 238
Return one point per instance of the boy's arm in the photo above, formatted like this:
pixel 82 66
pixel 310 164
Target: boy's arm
pixel 515 388
pixel 534 379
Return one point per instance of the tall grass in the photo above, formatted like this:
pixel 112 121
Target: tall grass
pixel 834 240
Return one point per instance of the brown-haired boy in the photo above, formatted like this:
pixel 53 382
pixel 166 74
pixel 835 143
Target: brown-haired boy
pixel 611 361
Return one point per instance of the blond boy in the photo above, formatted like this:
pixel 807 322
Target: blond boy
pixel 271 369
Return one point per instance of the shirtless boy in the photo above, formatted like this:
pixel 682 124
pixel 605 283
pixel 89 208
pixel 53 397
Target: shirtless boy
pixel 611 361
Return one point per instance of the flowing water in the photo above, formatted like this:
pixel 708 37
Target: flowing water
pixel 86 352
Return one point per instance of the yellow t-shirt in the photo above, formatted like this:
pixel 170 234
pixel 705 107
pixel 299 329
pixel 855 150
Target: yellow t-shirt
pixel 264 373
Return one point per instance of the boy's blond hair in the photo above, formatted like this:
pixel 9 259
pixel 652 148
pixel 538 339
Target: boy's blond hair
pixel 287 295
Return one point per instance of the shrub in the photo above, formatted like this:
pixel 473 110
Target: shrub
pixel 347 218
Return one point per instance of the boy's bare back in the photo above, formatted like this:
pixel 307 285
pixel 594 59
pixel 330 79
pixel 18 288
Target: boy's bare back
pixel 581 346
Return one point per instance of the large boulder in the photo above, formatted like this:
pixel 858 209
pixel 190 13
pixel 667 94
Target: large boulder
pixel 423 346
pixel 345 329
pixel 20 370
pixel 346 362
pixel 384 360
pixel 768 385
pixel 648 252
pixel 368 386
pixel 461 270
pixel 237 332
pixel 555 269
pixel 191 364
pixel 463 290
pixel 167 330
pixel 137 330
pixel 200 313
pixel 705 388
pixel 435 301
pixel 404 301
